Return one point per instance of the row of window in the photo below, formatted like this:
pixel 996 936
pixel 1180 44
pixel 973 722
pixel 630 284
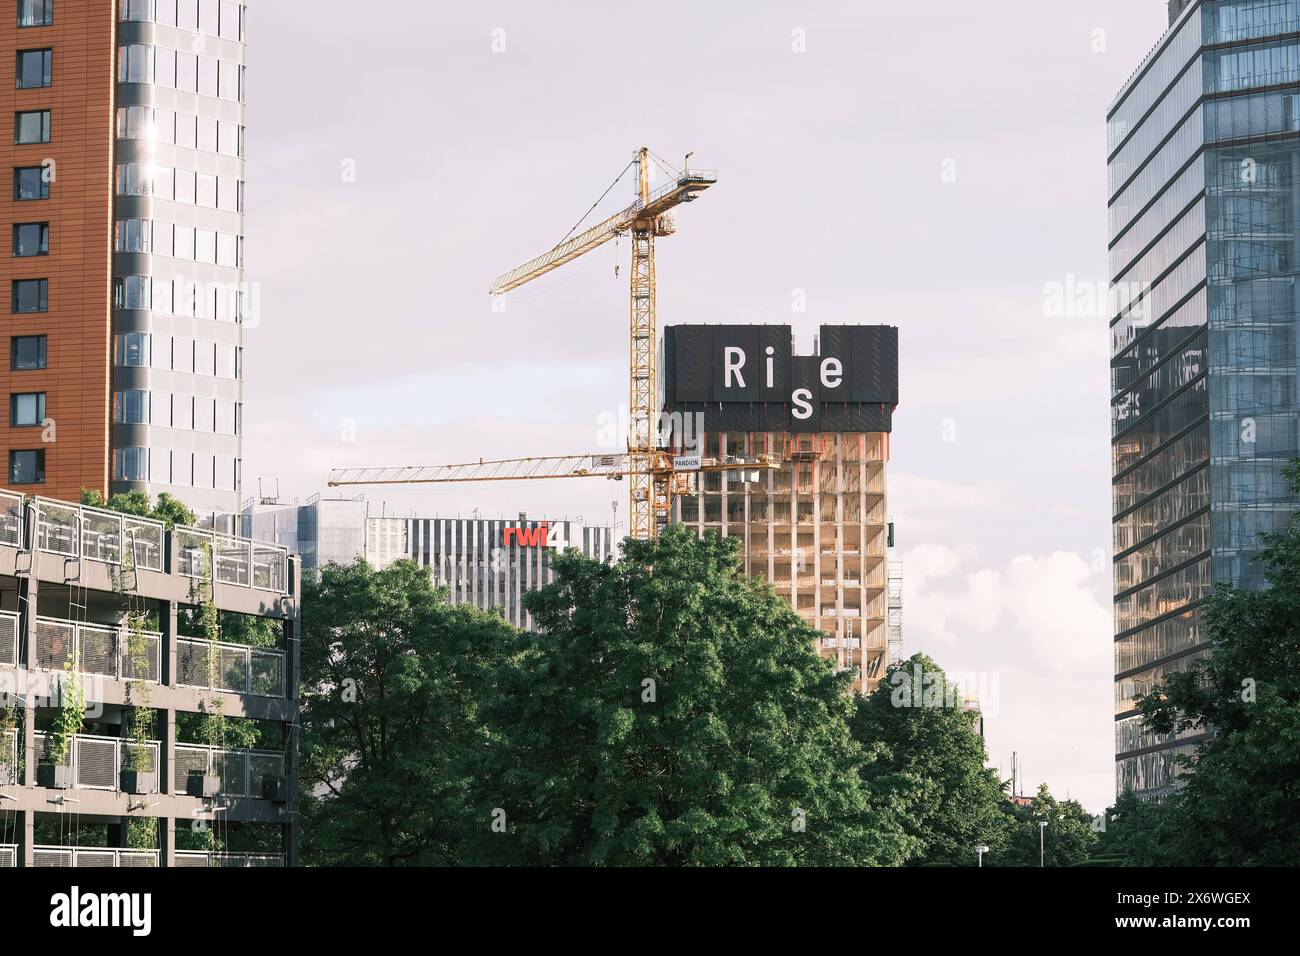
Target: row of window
pixel 172 69
pixel 179 242
pixel 180 129
pixel 216 18
pixel 221 301
pixel 180 185
pixel 167 467
pixel 137 406
pixel 174 353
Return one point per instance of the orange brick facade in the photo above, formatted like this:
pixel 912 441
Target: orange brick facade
pixel 78 265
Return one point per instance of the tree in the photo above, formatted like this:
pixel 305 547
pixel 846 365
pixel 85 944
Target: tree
pixel 171 511
pixel 1069 839
pixel 1238 805
pixel 672 711
pixel 392 676
pixel 934 765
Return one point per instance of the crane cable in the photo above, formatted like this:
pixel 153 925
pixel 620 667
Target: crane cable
pixel 597 202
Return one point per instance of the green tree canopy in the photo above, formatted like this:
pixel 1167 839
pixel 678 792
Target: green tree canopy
pixel 934 765
pixel 673 711
pixel 171 511
pixel 1070 838
pixel 392 676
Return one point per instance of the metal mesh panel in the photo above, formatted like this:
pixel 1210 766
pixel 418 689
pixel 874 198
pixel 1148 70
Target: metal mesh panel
pixel 9 639
pixel 56 528
pixel 234 561
pixel 49 856
pixel 137 858
pixel 145 755
pixel 44 744
pixel 263 765
pixel 96 760
pixel 265 860
pixel 146 539
pixel 267 673
pixel 190 556
pixel 8 856
pixel 233 672
pixel 94 859
pixel 187 760
pixel 192 662
pixel 11 519
pixel 55 643
pixel 190 858
pixel 99 651
pixel 268 568
pixel 101 536
pixel 151 657
pixel 232 767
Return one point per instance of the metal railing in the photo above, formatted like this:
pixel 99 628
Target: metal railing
pixel 8 855
pixel 240 771
pixel 96 649
pixel 238 668
pixel 9 638
pixel 76 531
pixel 9 758
pixel 11 519
pixel 238 561
pixel 198 858
pixel 83 857
pixel 97 762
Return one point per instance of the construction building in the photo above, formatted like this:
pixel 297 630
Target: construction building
pixel 125 343
pixel 816 527
pixel 1204 193
pixel 94 600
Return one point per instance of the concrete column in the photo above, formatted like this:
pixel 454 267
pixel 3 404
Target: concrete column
pixel 26 838
pixel 29 740
pixel 167 841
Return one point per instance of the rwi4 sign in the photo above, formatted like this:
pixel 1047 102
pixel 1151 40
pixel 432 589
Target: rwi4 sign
pixel 537 537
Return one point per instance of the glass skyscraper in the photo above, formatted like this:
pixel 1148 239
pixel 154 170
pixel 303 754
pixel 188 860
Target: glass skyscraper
pixel 1204 185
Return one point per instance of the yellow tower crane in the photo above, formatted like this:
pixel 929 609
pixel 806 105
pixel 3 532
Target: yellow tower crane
pixel 650 469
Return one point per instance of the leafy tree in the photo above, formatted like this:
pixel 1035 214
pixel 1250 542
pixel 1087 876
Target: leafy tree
pixel 1069 840
pixel 672 711
pixel 171 511
pixel 1139 833
pixel 392 677
pixel 1238 806
pixel 934 765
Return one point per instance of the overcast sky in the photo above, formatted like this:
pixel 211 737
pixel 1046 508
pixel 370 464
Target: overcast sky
pixel 938 166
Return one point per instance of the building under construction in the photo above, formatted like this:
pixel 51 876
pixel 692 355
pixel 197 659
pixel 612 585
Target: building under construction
pixel 815 527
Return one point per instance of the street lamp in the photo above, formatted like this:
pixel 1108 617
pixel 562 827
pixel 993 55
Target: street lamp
pixel 981 850
pixel 1042 826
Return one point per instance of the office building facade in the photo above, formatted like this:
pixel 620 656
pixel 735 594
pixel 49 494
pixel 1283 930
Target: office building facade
pixel 1204 189
pixel 127 297
pixel 815 528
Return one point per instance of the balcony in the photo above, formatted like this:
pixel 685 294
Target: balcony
pixel 96 649
pixel 197 858
pixel 97 762
pixel 79 532
pixel 241 772
pixel 238 668
pixel 8 639
pixel 97 857
pixel 8 856
pixel 239 561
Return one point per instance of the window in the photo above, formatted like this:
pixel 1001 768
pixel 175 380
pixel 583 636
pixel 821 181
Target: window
pixel 31 295
pixel 27 467
pixel 35 13
pixel 132 292
pixel 32 127
pixel 132 235
pixel 30 182
pixel 131 464
pixel 135 63
pixel 131 407
pixel 27 352
pixel 132 350
pixel 31 239
pixel 231 12
pixel 135 10
pixel 26 409
pixel 35 68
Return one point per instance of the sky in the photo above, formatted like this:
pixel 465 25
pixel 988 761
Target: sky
pixel 939 167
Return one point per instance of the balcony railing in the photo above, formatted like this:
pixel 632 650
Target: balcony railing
pixel 8 855
pixel 238 561
pixel 97 762
pixel 96 649
pixel 237 667
pixel 100 857
pixel 8 638
pixel 93 534
pixel 240 771
pixel 197 858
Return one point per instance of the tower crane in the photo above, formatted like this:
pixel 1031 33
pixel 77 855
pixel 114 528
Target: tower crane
pixel 653 475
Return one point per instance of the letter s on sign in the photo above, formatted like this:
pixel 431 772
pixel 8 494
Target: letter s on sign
pixel 801 398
